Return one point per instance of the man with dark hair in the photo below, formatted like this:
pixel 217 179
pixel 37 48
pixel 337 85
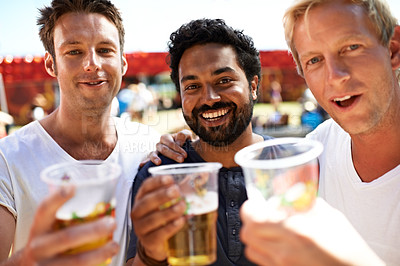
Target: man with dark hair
pixel 217 72
pixel 84 51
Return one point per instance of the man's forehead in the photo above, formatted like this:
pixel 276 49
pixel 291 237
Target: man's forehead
pixel 79 21
pixel 76 27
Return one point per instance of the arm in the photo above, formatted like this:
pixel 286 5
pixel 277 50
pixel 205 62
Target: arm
pixel 46 246
pixel 153 224
pixel 321 236
pixel 7 231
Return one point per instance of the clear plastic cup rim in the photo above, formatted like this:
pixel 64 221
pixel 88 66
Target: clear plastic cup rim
pixel 184 168
pixel 82 182
pixel 241 157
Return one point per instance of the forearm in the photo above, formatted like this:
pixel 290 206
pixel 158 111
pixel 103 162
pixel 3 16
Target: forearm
pixel 7 231
pixel 13 260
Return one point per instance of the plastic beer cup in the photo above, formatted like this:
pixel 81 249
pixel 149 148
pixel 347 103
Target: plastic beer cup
pixel 196 242
pixel 283 171
pixel 95 183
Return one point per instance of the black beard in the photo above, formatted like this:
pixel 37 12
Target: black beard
pixel 225 134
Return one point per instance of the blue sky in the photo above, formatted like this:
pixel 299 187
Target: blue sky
pixel 148 23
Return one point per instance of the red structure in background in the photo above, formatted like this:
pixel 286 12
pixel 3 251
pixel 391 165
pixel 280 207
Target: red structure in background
pixel 25 78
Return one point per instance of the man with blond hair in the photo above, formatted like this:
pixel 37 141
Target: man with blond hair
pixel 348 53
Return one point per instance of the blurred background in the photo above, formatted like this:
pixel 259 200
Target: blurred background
pixel 285 106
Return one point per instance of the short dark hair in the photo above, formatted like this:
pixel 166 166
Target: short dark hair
pixel 50 14
pixel 203 31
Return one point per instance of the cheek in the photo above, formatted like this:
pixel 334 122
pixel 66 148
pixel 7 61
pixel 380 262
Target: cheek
pixel 187 105
pixel 315 83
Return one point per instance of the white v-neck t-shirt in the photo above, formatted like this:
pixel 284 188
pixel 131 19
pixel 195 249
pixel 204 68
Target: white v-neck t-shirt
pixel 26 152
pixel 372 208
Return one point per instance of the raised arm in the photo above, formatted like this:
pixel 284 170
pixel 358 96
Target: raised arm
pixel 322 236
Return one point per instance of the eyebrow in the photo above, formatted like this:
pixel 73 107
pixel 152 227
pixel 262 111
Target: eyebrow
pixel 66 43
pixel 215 73
pixel 345 39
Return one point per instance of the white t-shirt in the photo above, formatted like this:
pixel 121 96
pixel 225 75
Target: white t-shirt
pixel 373 208
pixel 26 152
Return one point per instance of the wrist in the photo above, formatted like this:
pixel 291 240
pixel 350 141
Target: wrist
pixel 148 260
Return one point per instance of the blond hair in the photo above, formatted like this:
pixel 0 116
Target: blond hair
pixel 378 12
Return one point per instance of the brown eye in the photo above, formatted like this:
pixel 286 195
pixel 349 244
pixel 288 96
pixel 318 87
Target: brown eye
pixel 73 52
pixel 225 80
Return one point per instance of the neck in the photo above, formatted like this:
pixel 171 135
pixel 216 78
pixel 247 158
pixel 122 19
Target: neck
pixel 225 154
pixel 83 137
pixel 376 153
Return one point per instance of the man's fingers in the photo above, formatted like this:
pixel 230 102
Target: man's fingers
pixel 95 257
pixel 172 151
pixel 259 258
pixel 154 158
pixel 162 234
pixel 158 219
pixel 182 136
pixel 155 200
pixel 46 212
pixel 153 184
pixel 142 163
pixel 63 240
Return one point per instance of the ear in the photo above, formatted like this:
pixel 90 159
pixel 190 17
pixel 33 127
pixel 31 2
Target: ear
pixel 254 86
pixel 124 64
pixel 395 48
pixel 49 64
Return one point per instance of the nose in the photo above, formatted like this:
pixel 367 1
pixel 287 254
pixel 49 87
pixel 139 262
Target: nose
pixel 211 95
pixel 91 62
pixel 336 71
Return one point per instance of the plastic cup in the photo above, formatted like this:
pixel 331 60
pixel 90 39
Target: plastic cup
pixel 283 171
pixel 95 183
pixel 196 242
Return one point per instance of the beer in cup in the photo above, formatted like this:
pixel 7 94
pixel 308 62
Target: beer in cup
pixel 196 242
pixel 95 183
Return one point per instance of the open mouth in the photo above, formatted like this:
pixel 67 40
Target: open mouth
pixel 345 101
pixel 93 83
pixel 214 115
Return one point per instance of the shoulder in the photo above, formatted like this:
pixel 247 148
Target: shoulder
pixel 127 127
pixel 25 136
pixel 329 130
pixel 135 136
pixel 266 137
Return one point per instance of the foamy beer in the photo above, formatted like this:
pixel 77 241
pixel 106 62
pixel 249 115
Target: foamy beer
pixel 283 171
pixel 196 242
pixel 95 183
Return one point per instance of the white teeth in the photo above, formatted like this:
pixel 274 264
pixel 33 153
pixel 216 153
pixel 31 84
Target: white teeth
pixel 94 83
pixel 215 114
pixel 342 99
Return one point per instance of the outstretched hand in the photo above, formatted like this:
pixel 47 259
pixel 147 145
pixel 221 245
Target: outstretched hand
pixel 46 246
pixel 322 236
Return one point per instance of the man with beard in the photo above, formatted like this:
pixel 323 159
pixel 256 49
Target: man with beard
pixel 216 69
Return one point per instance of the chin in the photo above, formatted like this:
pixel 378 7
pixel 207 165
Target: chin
pixel 353 128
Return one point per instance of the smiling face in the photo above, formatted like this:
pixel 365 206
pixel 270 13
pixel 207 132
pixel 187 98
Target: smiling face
pixel 217 102
pixel 349 71
pixel 89 65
